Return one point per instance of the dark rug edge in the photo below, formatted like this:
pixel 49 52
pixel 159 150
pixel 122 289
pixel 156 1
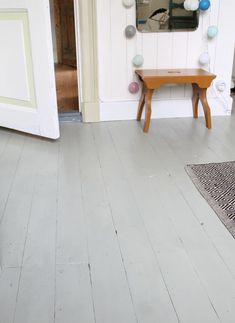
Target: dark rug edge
pixel 228 223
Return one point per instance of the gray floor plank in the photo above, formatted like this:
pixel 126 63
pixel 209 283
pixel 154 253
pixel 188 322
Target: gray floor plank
pixel 112 300
pixel 213 227
pixel 36 295
pixel 209 271
pixel 4 138
pixel 73 296
pixel 18 205
pixel 73 285
pixel 9 278
pixel 9 160
pixel 172 255
pixel 71 246
pixel 150 295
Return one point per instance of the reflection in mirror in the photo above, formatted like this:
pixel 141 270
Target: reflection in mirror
pixel 164 15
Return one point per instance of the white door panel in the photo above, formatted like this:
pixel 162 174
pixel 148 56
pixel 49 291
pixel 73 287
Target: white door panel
pixel 27 82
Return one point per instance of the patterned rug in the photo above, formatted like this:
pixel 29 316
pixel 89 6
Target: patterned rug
pixel 216 183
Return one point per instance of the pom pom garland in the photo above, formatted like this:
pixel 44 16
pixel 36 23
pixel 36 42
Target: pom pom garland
pixel 133 87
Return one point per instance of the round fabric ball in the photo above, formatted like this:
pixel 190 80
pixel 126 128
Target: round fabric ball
pixel 128 3
pixel 133 87
pixel 130 31
pixel 204 4
pixel 212 31
pixel 138 60
pixel 220 85
pixel 204 58
pixel 191 5
pixel 186 5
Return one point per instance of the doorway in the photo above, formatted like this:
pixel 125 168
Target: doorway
pixel 65 55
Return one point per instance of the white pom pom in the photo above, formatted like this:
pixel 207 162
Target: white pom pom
pixel 220 85
pixel 128 3
pixel 191 5
pixel 204 58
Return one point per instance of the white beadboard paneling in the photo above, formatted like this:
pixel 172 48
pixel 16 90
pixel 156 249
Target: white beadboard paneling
pixel 171 108
pixel 160 50
pixel 212 43
pixel 104 51
pixel 195 48
pixel 179 57
pixel 150 51
pixel 164 50
pixel 119 57
pixel 164 55
pixel 225 49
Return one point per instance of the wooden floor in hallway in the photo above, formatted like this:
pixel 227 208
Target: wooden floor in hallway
pixel 105 226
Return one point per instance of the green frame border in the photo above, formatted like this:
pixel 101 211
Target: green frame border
pixel 23 17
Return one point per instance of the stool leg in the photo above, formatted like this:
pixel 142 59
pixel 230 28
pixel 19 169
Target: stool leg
pixel 141 104
pixel 195 99
pixel 148 110
pixel 206 107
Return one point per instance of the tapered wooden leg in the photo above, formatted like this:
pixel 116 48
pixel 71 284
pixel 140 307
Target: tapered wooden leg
pixel 148 110
pixel 141 104
pixel 195 99
pixel 206 108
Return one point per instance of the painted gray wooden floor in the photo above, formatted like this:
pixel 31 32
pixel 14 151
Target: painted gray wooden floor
pixel 104 226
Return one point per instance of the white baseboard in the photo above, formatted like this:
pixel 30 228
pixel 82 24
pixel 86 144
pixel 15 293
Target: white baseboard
pixel 174 108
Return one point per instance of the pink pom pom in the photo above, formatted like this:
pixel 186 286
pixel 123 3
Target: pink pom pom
pixel 133 87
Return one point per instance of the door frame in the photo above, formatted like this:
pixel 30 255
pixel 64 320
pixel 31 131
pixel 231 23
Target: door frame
pixel 78 53
pixel 87 58
pixel 87 49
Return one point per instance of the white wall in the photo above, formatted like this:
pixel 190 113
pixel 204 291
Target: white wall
pixel 160 50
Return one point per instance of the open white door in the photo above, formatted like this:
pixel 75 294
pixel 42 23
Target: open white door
pixel 27 82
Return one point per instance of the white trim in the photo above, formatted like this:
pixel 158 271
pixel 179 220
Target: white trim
pixel 89 60
pixel 78 52
pixel 126 110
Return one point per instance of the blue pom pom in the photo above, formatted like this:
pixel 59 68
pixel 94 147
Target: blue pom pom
pixel 212 31
pixel 204 4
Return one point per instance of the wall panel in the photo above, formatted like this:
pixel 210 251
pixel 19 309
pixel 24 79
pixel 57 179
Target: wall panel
pixel 160 50
pixel 16 77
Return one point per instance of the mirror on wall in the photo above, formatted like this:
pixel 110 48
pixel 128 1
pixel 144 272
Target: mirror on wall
pixel 164 16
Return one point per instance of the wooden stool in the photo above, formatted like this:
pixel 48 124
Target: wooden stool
pixel 153 79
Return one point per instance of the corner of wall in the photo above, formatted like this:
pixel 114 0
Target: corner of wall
pixel 90 112
pixel 89 60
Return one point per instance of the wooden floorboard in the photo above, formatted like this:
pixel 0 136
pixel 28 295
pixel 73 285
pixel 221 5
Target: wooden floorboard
pixel 73 283
pixel 216 151
pixel 104 225
pixel 35 297
pixel 9 278
pixel 9 161
pixel 148 183
pixel 151 298
pixel 112 300
pixel 66 88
